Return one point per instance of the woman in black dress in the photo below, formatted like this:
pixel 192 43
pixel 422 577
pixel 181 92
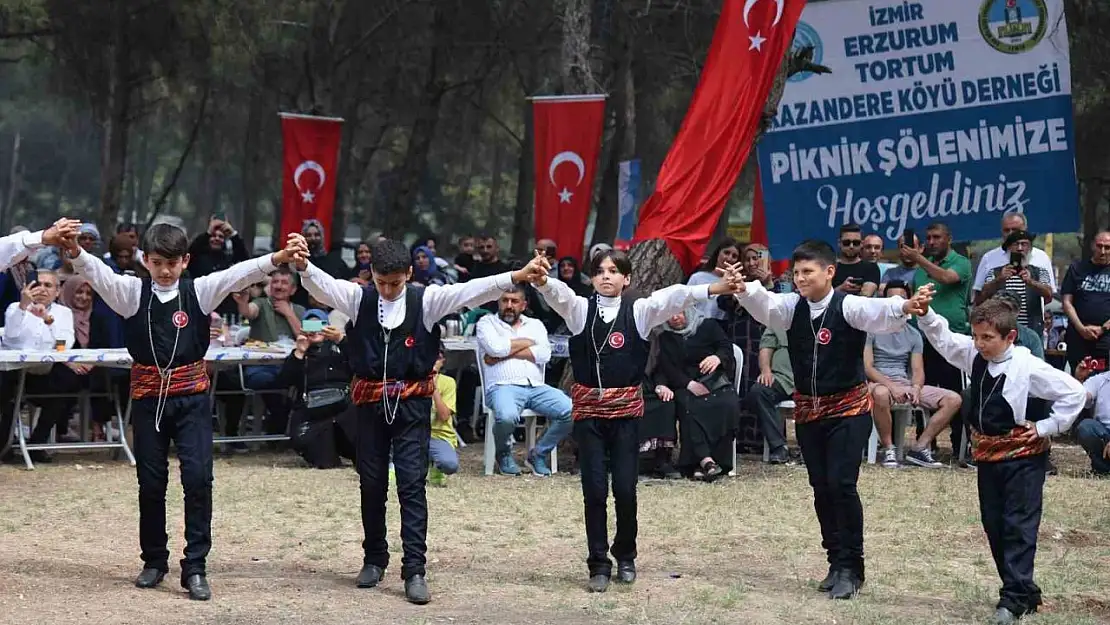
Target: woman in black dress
pixel 697 368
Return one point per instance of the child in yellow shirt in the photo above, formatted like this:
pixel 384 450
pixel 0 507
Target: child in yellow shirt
pixel 441 448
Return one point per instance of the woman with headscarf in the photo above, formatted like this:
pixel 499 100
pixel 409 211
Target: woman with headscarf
pixel 363 256
pixel 697 370
pixel 424 269
pixel 571 275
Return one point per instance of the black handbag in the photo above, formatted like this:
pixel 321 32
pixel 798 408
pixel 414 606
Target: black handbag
pixel 323 403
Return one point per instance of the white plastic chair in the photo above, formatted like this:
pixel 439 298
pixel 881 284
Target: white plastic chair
pixel 738 354
pixel 531 423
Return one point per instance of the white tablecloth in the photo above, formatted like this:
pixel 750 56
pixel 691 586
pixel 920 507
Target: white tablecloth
pixel 119 358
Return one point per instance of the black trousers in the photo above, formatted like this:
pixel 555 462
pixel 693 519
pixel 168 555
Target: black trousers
pixel 761 400
pixel 608 446
pixel 1011 493
pixel 833 449
pixel 187 421
pixel 407 435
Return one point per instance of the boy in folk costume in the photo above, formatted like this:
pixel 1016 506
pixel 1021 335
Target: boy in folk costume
pixel 1011 451
pixel 393 350
pixel 608 353
pixel 827 332
pixel 166 331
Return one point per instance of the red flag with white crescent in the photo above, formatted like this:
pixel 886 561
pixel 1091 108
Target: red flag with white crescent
pixel 567 145
pixel 311 166
pixel 720 126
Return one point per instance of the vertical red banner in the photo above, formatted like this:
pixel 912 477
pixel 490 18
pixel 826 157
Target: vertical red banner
pixel 567 144
pixel 311 165
pixel 720 126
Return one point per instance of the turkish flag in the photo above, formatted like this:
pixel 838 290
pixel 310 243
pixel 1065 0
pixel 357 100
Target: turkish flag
pixel 311 156
pixel 567 145
pixel 720 127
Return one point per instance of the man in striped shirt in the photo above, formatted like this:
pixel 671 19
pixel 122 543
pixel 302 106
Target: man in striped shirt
pixel 1030 284
pixel 514 350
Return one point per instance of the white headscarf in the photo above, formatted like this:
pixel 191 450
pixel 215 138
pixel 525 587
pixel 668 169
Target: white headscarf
pixel 694 318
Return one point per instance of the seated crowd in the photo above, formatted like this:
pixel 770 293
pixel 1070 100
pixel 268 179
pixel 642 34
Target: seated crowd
pixel 712 369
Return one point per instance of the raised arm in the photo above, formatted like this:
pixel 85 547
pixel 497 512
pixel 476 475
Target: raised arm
pixel 215 287
pixel 120 292
pixel 664 304
pixel 885 315
pixel 1067 395
pixel 957 349
pixel 774 310
pixel 344 296
pixel 562 299
pixel 16 247
pixel 440 301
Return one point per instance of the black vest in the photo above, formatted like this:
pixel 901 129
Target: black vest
pixel 623 353
pixel 412 352
pixel 182 312
pixel 996 416
pixel 839 350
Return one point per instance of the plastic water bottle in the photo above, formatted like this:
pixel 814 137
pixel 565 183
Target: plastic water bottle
pixel 217 323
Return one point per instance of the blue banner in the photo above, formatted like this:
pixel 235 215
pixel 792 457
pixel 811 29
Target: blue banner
pixel 951 111
pixel 629 198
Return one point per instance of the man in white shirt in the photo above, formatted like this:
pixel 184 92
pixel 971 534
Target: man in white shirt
pixel 1094 433
pixel 36 323
pixel 514 350
pixel 1011 222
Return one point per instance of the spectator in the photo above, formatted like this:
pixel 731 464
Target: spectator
pixel 88 237
pixel 464 261
pixel 1094 433
pixel 363 256
pixel 896 375
pixel 1086 301
pixel 207 255
pixel 600 248
pixel 853 274
pixel 1028 283
pixel 490 263
pixel 997 257
pixel 130 233
pixel 331 261
pixel 323 421
pixel 425 272
pixel 514 350
pixel 571 274
pixel 757 265
pixel 774 385
pixel 442 448
pixel 121 254
pixel 872 248
pixel 906 269
pixel 726 253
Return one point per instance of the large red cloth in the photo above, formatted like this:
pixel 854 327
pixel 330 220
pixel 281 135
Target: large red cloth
pixel 311 156
pixel 567 145
pixel 720 127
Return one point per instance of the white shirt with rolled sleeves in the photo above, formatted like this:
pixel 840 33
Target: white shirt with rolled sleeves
pixel 25 331
pixel 648 312
pixel 1098 397
pixel 439 301
pixel 18 246
pixel 881 315
pixel 1027 376
pixel 999 257
pixel 495 338
pixel 123 294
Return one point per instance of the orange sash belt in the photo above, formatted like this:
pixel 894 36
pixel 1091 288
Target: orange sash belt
pixel 368 392
pixel 850 403
pixel 1006 446
pixel 190 379
pixel 606 403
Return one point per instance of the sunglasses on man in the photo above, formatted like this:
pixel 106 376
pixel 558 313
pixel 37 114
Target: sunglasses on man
pixel 851 242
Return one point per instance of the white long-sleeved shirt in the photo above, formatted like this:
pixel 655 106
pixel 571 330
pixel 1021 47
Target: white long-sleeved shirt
pixel 1026 376
pixel 495 338
pixel 998 257
pixel 124 293
pixel 647 311
pixel 439 301
pixel 16 247
pixel 868 314
pixel 25 331
pixel 1098 397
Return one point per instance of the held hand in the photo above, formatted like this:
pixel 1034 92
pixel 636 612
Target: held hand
pixel 28 294
pixel 731 282
pixel 227 229
pixel 664 393
pixel 766 378
pixel 294 245
pixel 919 303
pixel 62 229
pixel 535 272
pixel 709 364
pixel 697 388
pixel 333 334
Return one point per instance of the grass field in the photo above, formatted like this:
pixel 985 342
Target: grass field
pixel 511 550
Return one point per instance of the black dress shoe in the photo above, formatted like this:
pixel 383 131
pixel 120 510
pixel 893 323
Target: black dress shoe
pixel 599 583
pixel 626 572
pixel 197 585
pixel 846 586
pixel 149 578
pixel 369 576
pixel 416 590
pixel 826 584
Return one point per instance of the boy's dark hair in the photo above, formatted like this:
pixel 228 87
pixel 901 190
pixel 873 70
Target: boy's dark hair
pixel 850 228
pixel 619 258
pixel 389 256
pixel 167 241
pixel 999 313
pixel 816 251
pixel 896 284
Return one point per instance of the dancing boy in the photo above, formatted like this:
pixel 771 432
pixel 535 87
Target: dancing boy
pixel 827 332
pixel 1011 451
pixel 608 354
pixel 393 349
pixel 166 333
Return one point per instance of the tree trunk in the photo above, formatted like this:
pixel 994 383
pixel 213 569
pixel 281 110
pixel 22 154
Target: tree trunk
pixel 524 209
pixel 113 159
pixel 624 136
pixel 574 63
pixel 251 157
pixel 495 189
pixel 654 266
pixel 7 209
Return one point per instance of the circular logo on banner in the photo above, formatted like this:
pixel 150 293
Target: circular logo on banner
pixel 824 336
pixel 409 342
pixel 180 319
pixel 1013 26
pixel 616 340
pixel 806 37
